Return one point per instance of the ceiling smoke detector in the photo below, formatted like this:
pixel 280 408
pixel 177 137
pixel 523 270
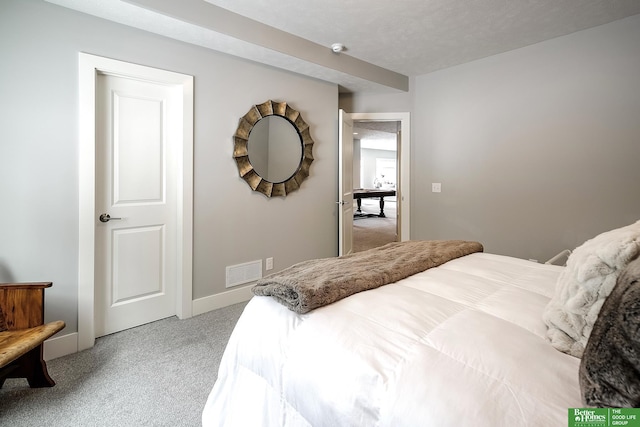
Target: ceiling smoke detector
pixel 337 47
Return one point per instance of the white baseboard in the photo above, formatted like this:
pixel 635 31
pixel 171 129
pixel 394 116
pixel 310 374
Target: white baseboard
pixel 68 344
pixel 61 346
pixel 224 299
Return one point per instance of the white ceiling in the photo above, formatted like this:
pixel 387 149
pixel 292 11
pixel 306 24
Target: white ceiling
pixel 386 41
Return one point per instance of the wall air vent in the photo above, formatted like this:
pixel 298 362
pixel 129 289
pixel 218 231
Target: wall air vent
pixel 240 274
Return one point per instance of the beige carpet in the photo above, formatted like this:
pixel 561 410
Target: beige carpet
pixel 373 232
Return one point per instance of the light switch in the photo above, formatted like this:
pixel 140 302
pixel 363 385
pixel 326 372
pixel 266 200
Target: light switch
pixel 436 187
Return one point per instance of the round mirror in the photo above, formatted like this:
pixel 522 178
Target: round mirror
pixel 273 148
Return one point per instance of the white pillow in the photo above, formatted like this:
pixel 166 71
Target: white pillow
pixel 590 275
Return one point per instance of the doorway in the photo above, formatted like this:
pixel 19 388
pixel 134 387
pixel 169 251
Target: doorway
pixel 402 124
pixel 180 159
pixel 375 179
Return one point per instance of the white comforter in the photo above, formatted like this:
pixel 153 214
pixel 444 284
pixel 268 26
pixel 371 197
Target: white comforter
pixel 460 344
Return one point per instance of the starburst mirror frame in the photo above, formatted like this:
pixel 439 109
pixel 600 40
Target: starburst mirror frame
pixel 241 148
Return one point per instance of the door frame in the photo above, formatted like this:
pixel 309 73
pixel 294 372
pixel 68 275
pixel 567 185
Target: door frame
pixel 404 160
pixel 89 66
pixel 345 171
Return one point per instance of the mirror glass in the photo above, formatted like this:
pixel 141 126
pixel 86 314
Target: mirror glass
pixel 275 148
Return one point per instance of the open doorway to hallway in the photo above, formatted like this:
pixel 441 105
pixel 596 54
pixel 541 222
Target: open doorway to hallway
pixel 375 181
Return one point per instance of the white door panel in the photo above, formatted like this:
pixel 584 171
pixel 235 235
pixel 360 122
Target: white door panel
pixel 138 125
pixel 138 150
pixel 137 264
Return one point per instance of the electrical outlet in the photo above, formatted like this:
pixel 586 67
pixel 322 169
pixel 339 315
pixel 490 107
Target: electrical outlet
pixel 269 264
pixel 436 187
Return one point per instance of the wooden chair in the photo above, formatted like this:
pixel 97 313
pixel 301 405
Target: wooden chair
pixel 22 333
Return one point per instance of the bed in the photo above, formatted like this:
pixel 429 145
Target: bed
pixel 460 343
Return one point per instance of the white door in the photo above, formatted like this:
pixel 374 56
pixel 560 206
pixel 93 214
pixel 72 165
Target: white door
pixel 345 184
pixel 138 128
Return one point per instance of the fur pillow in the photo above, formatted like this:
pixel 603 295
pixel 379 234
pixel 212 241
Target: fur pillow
pixel 590 275
pixel 610 367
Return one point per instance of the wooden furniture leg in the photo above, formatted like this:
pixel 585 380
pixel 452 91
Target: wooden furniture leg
pixel 23 331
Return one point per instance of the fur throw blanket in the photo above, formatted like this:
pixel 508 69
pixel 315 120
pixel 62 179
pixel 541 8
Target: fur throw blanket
pixel 315 283
pixel 610 367
pixel 590 275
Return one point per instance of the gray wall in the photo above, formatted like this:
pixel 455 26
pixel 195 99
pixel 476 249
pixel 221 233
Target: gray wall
pixel 537 149
pixel 39 43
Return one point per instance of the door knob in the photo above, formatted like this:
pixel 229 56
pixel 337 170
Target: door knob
pixel 106 217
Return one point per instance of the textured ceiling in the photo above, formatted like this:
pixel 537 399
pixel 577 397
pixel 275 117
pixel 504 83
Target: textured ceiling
pixel 415 37
pixel 409 37
pixel 375 130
